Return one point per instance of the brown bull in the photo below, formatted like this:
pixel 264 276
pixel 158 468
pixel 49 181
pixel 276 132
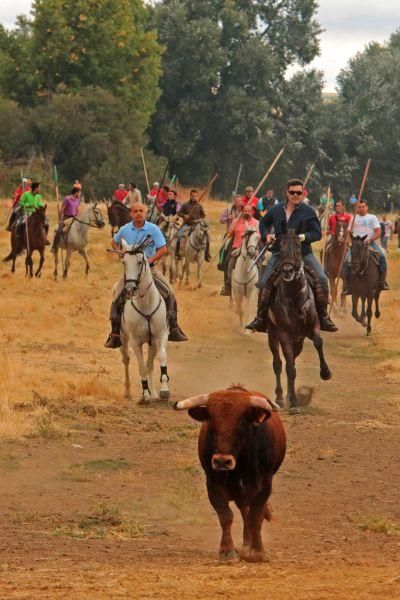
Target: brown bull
pixel 242 444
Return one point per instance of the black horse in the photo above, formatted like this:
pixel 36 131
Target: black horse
pixel 30 237
pixel 118 215
pixel 364 281
pixel 292 317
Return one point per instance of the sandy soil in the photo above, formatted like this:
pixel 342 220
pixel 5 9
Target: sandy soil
pixel 105 499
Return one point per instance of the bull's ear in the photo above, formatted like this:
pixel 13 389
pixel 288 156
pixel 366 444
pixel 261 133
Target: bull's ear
pixel 199 413
pixel 259 415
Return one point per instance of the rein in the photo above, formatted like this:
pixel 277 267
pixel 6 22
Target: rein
pixel 89 224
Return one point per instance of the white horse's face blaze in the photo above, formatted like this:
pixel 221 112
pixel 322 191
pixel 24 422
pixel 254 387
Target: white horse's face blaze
pixel 134 269
pixel 96 218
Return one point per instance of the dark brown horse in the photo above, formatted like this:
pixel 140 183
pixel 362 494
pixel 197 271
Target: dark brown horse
pixel 291 318
pixel 364 278
pixel 333 260
pixel 31 238
pixel 118 215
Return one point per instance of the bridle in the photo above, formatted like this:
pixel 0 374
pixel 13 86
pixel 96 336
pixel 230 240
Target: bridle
pixel 99 224
pixel 247 237
pixel 138 280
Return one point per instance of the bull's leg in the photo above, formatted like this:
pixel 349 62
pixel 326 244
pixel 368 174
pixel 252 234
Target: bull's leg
pixel 246 548
pixel 377 311
pixel 146 396
pixel 370 300
pixel 257 513
pixel 83 253
pixel 277 364
pixel 287 350
pixel 41 261
pixel 125 359
pixel 220 502
pixel 324 370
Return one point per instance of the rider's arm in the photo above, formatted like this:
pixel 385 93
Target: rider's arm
pixel 160 252
pixel 313 233
pixel 232 228
pixel 376 235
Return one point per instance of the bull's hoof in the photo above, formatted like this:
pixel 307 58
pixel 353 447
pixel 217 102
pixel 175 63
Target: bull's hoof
pixel 230 556
pixel 164 394
pixel 294 410
pixel 325 374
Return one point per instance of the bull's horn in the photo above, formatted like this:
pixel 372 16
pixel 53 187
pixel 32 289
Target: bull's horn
pixel 200 400
pixel 260 402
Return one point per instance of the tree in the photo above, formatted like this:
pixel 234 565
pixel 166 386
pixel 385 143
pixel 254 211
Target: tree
pixel 224 92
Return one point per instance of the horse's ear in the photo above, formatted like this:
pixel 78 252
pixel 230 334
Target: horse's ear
pixel 95 204
pixel 125 246
pixel 364 237
pixel 284 227
pixel 351 235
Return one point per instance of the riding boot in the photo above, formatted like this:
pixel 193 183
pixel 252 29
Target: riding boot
pixel 382 283
pixel 207 255
pixel 114 338
pixel 321 296
pixel 175 332
pixel 260 323
pixel 11 221
pixel 346 291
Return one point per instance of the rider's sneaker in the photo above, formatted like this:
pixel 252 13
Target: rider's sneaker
pixel 177 335
pixel 383 286
pixel 114 341
pixel 225 291
pixel 327 325
pixel 257 324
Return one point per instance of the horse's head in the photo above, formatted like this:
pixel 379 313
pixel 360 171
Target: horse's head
pixel 135 266
pixel 95 216
pixel 340 232
pixel 290 254
pixel 201 225
pixel 359 253
pixel 250 242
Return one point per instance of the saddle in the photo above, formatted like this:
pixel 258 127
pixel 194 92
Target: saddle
pixel 66 225
pixel 373 255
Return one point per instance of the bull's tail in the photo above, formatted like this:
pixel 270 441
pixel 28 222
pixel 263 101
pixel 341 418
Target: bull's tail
pixel 267 512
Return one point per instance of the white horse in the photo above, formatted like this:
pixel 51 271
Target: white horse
pixel 143 321
pixel 195 247
pixel 245 275
pixel 75 238
pixel 169 227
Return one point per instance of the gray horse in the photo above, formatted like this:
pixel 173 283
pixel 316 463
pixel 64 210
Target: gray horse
pixel 195 247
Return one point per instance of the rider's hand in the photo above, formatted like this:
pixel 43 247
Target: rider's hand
pixel 368 241
pixel 270 238
pixel 302 237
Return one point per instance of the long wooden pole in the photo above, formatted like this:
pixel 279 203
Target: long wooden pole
pixel 209 185
pixel 58 213
pixel 309 174
pixel 269 171
pixel 350 230
pixel 145 170
pixel 327 208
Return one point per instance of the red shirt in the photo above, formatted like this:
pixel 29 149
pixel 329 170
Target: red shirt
pixel 162 198
pixel 153 191
pixel 120 195
pixel 239 227
pixel 18 193
pixel 334 219
pixel 252 201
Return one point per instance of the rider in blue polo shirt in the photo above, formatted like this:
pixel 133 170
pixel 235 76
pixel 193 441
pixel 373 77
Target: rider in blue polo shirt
pixel 134 233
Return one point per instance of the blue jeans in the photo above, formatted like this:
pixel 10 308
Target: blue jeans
pixel 308 259
pixel 182 231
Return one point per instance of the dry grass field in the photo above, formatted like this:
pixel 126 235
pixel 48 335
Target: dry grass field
pixel 102 498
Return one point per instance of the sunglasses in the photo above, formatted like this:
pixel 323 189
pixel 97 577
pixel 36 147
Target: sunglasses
pixel 295 193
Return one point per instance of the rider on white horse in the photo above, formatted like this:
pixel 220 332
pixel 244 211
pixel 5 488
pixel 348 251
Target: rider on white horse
pixel 134 233
pixel 190 212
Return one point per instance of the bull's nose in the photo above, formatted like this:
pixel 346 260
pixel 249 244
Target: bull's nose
pixel 223 462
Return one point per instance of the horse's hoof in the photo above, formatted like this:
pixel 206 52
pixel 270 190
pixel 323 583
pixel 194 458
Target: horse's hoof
pixel 280 401
pixel 144 401
pixel 325 375
pixel 257 556
pixel 294 410
pixel 377 314
pixel 368 333
pixel 228 557
pixel 164 394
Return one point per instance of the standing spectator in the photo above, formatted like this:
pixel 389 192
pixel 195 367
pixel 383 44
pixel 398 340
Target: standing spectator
pixel 353 200
pixel 134 196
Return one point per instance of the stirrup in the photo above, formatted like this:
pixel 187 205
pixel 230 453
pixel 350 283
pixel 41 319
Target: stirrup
pixel 327 325
pixel 257 324
pixel 113 341
pixel 176 335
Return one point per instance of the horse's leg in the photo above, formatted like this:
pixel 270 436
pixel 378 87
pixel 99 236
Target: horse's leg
pixel 83 253
pixel 151 354
pixel 41 261
pixel 370 300
pixel 199 263
pixel 343 302
pixel 354 310
pixel 162 357
pixel 125 359
pixel 324 370
pixel 276 363
pixel 239 309
pixel 55 272
pixel 363 319
pixel 29 265
pixel 67 262
pixel 138 349
pixel 377 311
pixel 287 349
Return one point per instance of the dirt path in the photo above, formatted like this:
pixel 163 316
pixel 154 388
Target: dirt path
pixel 104 499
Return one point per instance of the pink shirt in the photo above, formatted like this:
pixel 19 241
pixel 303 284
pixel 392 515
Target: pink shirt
pixel 239 227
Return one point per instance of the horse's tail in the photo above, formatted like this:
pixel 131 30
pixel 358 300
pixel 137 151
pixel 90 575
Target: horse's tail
pixel 9 256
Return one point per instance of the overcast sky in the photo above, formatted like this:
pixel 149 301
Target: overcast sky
pixel 349 25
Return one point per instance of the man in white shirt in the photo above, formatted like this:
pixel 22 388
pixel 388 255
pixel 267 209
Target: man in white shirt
pixel 368 225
